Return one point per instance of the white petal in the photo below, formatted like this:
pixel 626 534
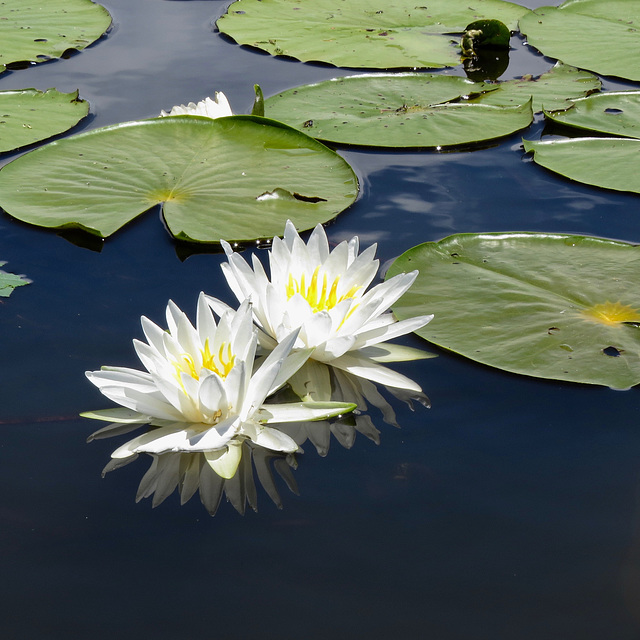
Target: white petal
pixel 225 462
pixel 360 366
pixel 302 411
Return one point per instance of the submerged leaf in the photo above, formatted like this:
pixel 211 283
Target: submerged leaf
pixel 546 305
pixel 9 281
pixel 393 34
pixel 208 174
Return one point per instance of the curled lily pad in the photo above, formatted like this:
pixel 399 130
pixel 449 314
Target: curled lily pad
pixel 599 35
pixel 485 34
pixel 546 305
pixel 611 163
pixel 613 112
pixel 551 90
pixel 35 31
pixel 237 178
pixel 29 115
pixel 361 33
pixel 396 110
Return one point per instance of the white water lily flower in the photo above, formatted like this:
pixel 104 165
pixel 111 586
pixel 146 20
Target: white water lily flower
pixel 209 108
pixel 200 390
pixel 324 294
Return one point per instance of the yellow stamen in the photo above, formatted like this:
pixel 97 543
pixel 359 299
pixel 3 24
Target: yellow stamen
pixel 612 313
pixel 319 295
pixel 220 363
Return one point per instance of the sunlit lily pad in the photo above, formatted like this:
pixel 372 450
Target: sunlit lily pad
pixel 237 178
pixel 611 163
pixel 613 112
pixel 29 115
pixel 32 31
pixel 551 90
pixel 361 33
pixel 546 305
pixel 600 35
pixel 396 110
pixel 9 281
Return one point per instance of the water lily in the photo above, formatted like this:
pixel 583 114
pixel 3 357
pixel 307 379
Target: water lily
pixel 201 392
pixel 217 108
pixel 325 296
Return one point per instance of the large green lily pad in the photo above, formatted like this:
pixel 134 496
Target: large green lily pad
pixel 611 163
pixel 613 112
pixel 396 110
pixel 237 178
pixel 551 90
pixel 599 35
pixel 29 115
pixel 32 31
pixel 381 34
pixel 546 305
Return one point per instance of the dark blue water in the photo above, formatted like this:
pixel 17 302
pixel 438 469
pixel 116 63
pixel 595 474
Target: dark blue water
pixel 510 509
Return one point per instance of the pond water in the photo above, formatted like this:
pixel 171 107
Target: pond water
pixel 510 509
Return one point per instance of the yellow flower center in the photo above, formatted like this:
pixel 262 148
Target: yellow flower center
pixel 220 363
pixel 612 313
pixel 321 295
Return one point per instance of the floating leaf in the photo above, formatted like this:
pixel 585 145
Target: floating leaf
pixel 9 281
pixel 29 115
pixel 37 31
pixel 614 112
pixel 395 110
pixel 359 33
pixel 611 163
pixel 546 305
pixel 600 35
pixel 551 90
pixel 237 178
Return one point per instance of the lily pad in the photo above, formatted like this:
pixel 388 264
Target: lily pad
pixel 600 35
pixel 29 115
pixel 551 90
pixel 547 305
pixel 611 163
pixel 9 281
pixel 32 31
pixel 396 110
pixel 613 112
pixel 361 33
pixel 237 178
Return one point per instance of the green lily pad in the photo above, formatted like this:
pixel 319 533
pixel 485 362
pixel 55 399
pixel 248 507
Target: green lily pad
pixel 600 35
pixel 361 33
pixel 546 305
pixel 551 90
pixel 237 178
pixel 396 110
pixel 32 31
pixel 29 115
pixel 613 112
pixel 611 163
pixel 9 281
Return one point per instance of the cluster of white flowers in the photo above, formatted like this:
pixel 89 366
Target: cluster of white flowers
pixel 205 388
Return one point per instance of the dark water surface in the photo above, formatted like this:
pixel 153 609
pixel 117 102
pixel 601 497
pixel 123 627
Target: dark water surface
pixel 509 510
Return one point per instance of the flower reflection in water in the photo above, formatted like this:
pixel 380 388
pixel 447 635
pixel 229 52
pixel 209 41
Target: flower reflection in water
pixel 190 473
